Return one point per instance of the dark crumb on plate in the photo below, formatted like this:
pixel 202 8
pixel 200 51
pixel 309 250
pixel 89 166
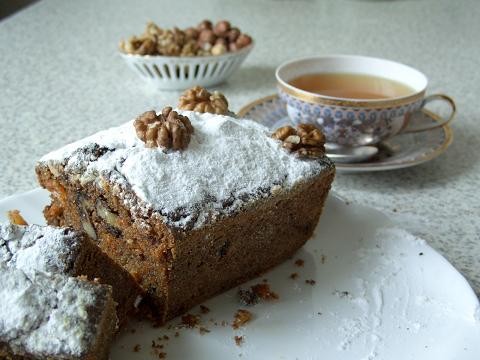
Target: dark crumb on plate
pixel 255 293
pixel 395 210
pixel 190 320
pixel 162 355
pixel 323 258
pixel 156 346
pixel 341 294
pixel 293 276
pixel 133 331
pixel 177 334
pixel 319 313
pixel 204 309
pixel 265 280
pixel 310 282
pixel 299 262
pixel 165 337
pixel 421 254
pixel 224 323
pixel 241 318
pixel 247 297
pixel 203 330
pixel 136 348
pixel 239 340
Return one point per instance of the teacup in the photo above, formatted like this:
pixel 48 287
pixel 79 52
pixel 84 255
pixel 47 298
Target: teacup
pixel 355 121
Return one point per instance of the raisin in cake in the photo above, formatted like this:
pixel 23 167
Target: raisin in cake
pixel 191 223
pixel 44 312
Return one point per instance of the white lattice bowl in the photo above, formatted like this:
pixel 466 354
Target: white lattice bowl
pixel 179 73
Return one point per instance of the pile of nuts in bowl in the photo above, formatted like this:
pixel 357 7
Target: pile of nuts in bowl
pixel 204 40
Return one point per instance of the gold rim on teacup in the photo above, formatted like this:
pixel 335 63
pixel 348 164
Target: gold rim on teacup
pixel 355 122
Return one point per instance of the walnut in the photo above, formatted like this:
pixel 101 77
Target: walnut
pixel 307 141
pixel 138 45
pixel 168 130
pixel 233 34
pixel 191 33
pixel 201 100
pixel 190 48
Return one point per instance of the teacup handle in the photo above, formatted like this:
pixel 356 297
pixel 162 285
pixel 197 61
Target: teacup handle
pixel 442 122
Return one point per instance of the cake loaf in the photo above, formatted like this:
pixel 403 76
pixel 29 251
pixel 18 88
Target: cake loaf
pixel 222 205
pixel 44 312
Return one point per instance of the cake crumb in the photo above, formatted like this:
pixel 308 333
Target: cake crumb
pixel 156 346
pixel 190 320
pixel 162 355
pixel 204 309
pixel 259 291
pixel 264 292
pixel 224 323
pixel 165 337
pixel 241 318
pixel 293 276
pixel 177 334
pixel 239 340
pixel 265 280
pixel 323 258
pixel 133 331
pixel 299 262
pixel 136 348
pixel 203 330
pixel 310 282
pixel 342 294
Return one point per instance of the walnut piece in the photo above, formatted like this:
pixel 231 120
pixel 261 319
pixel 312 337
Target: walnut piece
pixel 16 218
pixel 168 130
pixel 201 100
pixel 307 141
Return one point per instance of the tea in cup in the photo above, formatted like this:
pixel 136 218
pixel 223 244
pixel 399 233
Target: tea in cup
pixel 355 100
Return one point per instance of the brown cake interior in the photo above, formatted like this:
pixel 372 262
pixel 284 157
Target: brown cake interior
pixel 179 269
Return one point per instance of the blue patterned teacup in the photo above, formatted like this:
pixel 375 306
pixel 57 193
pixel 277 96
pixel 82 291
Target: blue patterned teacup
pixel 356 122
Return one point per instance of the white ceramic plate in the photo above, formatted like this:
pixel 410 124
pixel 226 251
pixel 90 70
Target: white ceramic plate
pixel 398 152
pixel 380 293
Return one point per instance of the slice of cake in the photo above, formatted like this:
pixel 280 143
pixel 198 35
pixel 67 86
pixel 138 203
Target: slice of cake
pixel 190 203
pixel 64 251
pixel 45 314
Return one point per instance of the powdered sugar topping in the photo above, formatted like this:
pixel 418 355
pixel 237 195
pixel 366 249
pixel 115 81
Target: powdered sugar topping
pixel 228 163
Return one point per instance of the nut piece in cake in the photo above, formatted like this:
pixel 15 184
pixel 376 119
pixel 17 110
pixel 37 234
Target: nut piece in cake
pixel 201 100
pixel 16 218
pixel 241 318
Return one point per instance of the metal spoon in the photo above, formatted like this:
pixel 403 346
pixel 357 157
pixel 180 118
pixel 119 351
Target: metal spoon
pixel 357 154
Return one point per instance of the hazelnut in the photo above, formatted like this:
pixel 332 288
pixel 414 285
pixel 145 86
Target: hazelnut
pixel 219 49
pixel 233 34
pixel 221 28
pixel 243 40
pixel 207 36
pixel 222 41
pixel 205 24
pixel 233 47
pixel 191 33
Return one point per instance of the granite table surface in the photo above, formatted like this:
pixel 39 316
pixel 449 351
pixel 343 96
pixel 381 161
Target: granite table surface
pixel 61 78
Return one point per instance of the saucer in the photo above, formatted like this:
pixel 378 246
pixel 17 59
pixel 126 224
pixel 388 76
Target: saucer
pixel 400 151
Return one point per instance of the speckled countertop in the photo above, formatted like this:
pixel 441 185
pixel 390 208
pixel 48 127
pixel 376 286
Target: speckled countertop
pixel 61 78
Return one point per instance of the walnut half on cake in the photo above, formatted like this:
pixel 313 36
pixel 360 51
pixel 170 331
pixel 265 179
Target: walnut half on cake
pixel 188 221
